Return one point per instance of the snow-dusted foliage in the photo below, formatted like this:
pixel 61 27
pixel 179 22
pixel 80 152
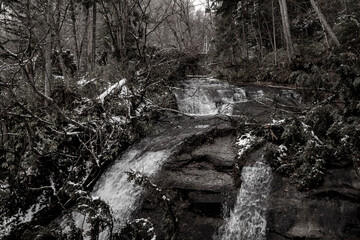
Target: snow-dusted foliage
pixel 112 88
pixel 244 143
pixel 8 223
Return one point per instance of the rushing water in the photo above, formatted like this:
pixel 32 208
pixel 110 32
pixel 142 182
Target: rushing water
pixel 202 96
pixel 122 195
pixel 247 221
pixel 208 96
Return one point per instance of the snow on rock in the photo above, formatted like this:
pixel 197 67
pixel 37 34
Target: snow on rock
pixel 108 91
pixel 245 142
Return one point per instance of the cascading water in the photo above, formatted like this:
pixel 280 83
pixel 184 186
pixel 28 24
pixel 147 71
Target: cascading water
pixel 201 96
pixel 122 195
pixel 117 191
pixel 208 96
pixel 248 221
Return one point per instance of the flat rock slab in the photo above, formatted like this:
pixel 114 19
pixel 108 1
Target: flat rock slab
pixel 208 167
pixel 221 152
pixel 199 180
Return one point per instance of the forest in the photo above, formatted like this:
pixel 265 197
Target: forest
pixel 83 80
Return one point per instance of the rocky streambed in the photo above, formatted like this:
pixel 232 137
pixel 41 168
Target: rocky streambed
pixel 192 162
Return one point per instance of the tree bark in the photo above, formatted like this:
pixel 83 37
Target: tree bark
pixel 260 43
pixel 48 50
pixel 286 28
pixel 93 46
pixel 57 29
pixel 325 23
pixel 274 32
pixel 85 41
pixel 244 35
pixel 74 32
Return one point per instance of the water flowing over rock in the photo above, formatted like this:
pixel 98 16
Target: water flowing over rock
pixel 114 188
pixel 121 194
pixel 207 96
pixel 248 219
pixel 147 157
pixel 192 160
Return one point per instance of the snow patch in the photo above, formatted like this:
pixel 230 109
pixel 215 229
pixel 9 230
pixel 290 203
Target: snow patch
pixel 108 91
pixel 202 126
pixel 58 77
pixel 118 120
pixel 245 142
pixel 277 122
pixel 82 82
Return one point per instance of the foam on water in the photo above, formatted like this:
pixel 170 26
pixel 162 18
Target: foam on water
pixel 122 195
pixel 208 96
pixel 247 221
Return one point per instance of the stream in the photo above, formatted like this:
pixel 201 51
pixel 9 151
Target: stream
pixel 209 101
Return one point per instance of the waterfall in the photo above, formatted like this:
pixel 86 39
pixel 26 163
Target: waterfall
pixel 201 96
pixel 248 219
pixel 114 188
pixel 122 195
pixel 208 96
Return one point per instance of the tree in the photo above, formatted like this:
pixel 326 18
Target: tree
pixel 48 48
pixel 93 43
pixel 324 23
pixel 286 28
pixel 84 45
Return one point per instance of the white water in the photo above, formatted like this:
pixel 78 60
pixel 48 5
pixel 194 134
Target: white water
pixel 248 221
pixel 197 97
pixel 117 191
pixel 122 195
pixel 207 96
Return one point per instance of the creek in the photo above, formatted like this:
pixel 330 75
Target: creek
pixel 202 175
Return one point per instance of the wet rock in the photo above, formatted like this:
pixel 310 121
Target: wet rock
pixel 200 183
pixel 197 179
pixel 221 153
pixel 331 211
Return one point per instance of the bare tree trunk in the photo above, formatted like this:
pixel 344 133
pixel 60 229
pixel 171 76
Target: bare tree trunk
pixel 244 38
pixel 93 46
pixel 57 29
pixel 286 28
pixel 85 42
pixel 326 38
pixel 274 32
pixel 324 23
pixel 261 50
pixel 187 23
pixel 48 49
pixel 124 29
pixel 77 50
